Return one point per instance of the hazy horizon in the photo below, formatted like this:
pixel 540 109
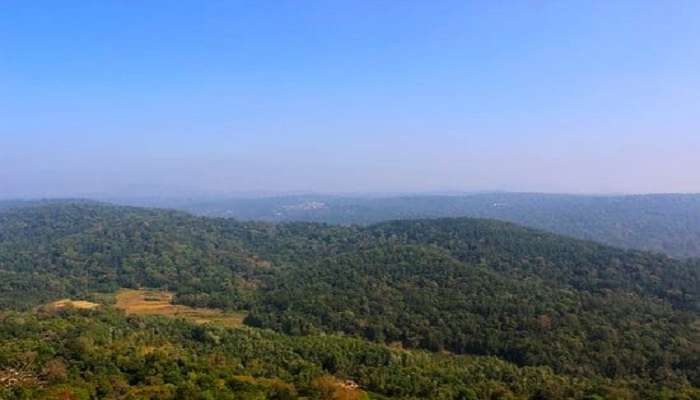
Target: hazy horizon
pixel 163 199
pixel 115 99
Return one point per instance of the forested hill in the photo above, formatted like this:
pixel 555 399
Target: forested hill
pixel 460 285
pixel 668 223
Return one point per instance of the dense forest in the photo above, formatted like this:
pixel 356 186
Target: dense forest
pixel 102 354
pixel 454 308
pixel 668 223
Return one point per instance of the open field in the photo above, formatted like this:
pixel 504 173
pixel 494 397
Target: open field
pixel 68 304
pixel 155 302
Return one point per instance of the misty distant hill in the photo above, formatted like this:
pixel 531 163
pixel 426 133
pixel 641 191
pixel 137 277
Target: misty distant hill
pixel 668 223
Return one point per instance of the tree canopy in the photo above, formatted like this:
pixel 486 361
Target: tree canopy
pixel 583 317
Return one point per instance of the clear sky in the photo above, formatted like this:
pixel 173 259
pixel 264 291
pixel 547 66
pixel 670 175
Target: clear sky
pixel 173 97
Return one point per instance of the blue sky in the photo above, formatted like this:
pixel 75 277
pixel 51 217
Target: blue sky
pixel 162 97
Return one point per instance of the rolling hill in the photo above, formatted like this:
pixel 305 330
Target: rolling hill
pixel 472 287
pixel 667 223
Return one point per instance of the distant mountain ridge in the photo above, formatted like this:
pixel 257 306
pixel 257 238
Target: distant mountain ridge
pixel 667 223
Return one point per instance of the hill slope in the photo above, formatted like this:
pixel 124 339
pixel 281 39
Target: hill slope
pixel 661 223
pixel 105 355
pixel 484 287
pixel 463 285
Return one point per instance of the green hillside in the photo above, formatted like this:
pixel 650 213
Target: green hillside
pixel 666 223
pixel 595 317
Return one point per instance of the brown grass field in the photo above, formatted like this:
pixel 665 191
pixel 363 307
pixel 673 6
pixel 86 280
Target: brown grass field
pixel 155 302
pixel 68 304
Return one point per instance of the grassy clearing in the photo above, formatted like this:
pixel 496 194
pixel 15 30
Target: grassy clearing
pixel 155 302
pixel 68 304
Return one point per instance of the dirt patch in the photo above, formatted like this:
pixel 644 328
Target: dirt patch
pixel 330 387
pixel 155 302
pixel 260 263
pixel 65 304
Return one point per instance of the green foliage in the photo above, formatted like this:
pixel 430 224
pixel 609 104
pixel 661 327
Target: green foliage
pixel 73 249
pixel 668 223
pixel 105 355
pixel 582 312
